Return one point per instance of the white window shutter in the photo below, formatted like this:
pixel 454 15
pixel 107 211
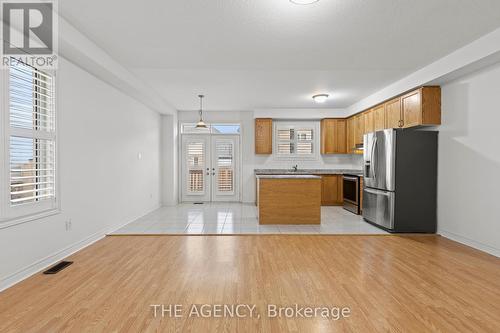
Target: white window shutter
pixel 32 150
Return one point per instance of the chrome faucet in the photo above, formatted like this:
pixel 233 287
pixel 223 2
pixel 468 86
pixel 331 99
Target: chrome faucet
pixel 295 168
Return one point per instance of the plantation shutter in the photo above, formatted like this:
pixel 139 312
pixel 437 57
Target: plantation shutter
pixel 294 141
pixel 225 166
pixel 196 166
pixel 32 150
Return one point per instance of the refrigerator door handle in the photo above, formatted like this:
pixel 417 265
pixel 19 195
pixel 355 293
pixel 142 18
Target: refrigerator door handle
pixel 372 160
pixel 368 190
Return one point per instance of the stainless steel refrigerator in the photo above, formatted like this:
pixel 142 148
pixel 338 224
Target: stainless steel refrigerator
pixel 400 180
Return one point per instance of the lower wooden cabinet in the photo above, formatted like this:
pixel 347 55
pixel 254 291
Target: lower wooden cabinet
pixel 331 190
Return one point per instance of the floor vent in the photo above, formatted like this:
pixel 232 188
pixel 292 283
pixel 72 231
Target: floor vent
pixel 58 267
pixel 198 203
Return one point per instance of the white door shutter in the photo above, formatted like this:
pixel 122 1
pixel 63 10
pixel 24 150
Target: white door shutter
pixel 224 154
pixel 196 159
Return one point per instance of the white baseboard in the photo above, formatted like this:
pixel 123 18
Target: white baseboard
pixel 470 242
pixel 41 264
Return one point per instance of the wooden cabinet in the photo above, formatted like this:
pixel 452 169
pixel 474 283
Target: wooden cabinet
pixel 369 121
pixel 333 136
pixel 263 136
pixel 379 117
pixel 350 138
pixel 359 128
pixel 421 107
pixel 331 190
pixel 410 104
pixel 416 108
pixel 393 118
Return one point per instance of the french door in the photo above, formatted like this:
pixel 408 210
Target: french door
pixel 210 167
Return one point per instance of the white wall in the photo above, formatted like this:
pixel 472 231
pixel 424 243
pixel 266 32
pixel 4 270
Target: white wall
pixel 103 183
pixel 250 161
pixel 469 160
pixel 170 161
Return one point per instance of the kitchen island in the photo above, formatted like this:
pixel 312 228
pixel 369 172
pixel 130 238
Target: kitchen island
pixel 289 199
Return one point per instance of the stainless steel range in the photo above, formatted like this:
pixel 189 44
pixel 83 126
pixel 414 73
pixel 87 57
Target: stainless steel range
pixel 351 193
pixel 400 180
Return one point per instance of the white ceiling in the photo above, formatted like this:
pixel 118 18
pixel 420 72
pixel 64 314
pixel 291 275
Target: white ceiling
pixel 247 54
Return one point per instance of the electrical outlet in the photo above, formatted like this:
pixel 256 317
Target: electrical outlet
pixel 68 225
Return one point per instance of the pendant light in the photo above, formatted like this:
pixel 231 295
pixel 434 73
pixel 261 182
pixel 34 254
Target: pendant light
pixel 201 123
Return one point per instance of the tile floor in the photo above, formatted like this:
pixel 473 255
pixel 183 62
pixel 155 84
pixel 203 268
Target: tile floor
pixel 238 218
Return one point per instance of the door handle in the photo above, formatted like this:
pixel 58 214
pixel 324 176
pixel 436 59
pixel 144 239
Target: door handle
pixel 372 160
pixel 386 194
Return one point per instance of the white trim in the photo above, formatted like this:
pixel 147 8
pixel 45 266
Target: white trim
pixel 49 260
pixel 41 264
pixel 28 218
pixel 3 142
pixel 470 242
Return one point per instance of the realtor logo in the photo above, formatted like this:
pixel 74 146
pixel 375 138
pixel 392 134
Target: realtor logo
pixel 29 33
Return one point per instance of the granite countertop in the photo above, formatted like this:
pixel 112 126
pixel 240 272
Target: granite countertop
pixel 288 177
pixel 357 172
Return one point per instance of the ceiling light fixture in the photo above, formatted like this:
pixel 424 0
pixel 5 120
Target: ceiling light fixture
pixel 320 98
pixel 303 2
pixel 201 123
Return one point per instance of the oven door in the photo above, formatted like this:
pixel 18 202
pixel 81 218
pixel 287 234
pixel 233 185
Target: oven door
pixel 351 194
pixel 351 189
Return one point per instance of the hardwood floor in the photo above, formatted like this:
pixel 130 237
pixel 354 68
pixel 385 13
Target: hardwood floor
pixel 390 283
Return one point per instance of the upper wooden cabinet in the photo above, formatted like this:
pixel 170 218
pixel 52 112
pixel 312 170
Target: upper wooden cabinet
pixel 359 128
pixel 263 136
pixel 350 135
pixel 421 107
pixel 379 117
pixel 333 136
pixel 369 121
pixel 393 117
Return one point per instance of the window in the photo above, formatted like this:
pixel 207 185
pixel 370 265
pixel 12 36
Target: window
pixel 30 142
pixel 211 129
pixel 296 140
